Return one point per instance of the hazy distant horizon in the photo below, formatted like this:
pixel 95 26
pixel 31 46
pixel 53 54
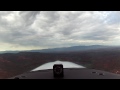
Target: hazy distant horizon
pixel 60 47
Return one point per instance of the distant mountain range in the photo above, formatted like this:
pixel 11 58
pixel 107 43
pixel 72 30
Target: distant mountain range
pixel 63 49
pixel 1 52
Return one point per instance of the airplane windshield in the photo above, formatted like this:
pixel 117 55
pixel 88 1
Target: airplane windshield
pixel 29 39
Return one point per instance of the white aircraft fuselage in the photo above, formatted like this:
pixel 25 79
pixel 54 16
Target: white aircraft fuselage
pixel 66 64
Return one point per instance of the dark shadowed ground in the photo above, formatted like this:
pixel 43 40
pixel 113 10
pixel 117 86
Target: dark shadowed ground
pixel 14 64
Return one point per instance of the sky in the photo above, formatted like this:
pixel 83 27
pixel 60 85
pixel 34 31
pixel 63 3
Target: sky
pixel 28 30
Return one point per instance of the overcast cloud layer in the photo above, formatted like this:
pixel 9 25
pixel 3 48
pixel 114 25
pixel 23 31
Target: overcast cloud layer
pixel 26 30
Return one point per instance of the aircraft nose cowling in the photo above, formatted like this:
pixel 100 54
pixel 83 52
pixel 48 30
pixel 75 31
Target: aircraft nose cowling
pixel 66 64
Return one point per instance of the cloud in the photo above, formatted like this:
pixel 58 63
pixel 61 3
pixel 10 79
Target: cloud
pixel 28 16
pixel 49 29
